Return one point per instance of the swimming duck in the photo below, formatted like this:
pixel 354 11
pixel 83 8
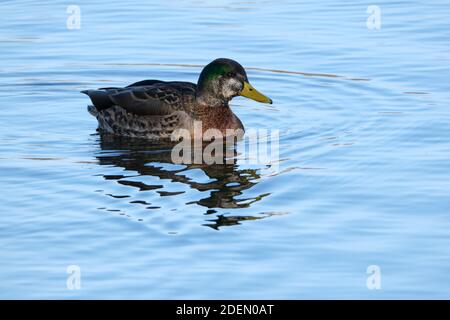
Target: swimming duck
pixel 153 109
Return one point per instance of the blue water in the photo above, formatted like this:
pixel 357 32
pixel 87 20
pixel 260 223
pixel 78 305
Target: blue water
pixel 363 177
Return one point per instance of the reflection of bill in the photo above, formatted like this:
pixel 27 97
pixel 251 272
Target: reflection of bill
pixel 215 147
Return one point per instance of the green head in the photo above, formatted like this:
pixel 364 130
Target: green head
pixel 223 79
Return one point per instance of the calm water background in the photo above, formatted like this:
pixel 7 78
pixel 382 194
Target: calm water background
pixel 363 178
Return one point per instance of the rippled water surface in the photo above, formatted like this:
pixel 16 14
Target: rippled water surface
pixel 363 177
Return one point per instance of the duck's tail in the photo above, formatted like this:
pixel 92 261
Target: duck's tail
pixel 100 99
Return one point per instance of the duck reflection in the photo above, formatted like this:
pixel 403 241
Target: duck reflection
pixel 226 182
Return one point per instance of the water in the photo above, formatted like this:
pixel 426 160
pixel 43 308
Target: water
pixel 363 174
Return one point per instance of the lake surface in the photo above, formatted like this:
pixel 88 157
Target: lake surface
pixel 362 178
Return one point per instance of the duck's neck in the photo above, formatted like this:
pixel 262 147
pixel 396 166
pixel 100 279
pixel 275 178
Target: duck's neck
pixel 213 110
pixel 209 100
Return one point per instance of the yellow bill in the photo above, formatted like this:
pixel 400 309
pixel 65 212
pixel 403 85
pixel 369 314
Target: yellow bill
pixel 252 93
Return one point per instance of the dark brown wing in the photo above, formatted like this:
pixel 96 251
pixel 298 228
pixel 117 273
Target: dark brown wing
pixel 148 97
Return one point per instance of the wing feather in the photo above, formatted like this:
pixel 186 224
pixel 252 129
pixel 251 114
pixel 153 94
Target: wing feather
pixel 147 97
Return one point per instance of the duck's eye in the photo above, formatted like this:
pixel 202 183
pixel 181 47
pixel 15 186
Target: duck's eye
pixel 231 74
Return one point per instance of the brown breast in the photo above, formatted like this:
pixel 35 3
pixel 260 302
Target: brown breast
pixel 221 118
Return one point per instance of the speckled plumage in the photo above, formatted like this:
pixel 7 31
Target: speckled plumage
pixel 147 109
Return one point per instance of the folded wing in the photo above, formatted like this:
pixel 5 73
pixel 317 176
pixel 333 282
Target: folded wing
pixel 148 97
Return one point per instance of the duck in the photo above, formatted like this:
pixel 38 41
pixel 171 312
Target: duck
pixel 155 109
